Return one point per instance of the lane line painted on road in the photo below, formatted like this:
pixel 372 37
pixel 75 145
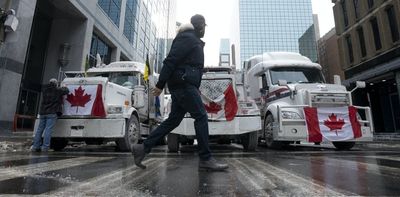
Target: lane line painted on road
pixel 11 158
pixel 393 158
pixel 38 168
pixel 357 165
pixel 102 184
pixel 297 184
pixel 151 171
pixel 250 179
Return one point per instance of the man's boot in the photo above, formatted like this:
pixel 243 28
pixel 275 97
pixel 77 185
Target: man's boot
pixel 139 154
pixel 213 165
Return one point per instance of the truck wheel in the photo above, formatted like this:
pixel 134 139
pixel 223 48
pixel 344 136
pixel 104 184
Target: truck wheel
pixel 343 145
pixel 173 142
pixel 132 134
pixel 58 144
pixel 269 135
pixel 249 141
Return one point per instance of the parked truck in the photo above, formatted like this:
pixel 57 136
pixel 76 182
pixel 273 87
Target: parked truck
pixel 298 106
pixel 231 115
pixel 112 103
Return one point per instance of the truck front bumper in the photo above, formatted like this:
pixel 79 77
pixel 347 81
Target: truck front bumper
pixel 296 132
pixel 239 125
pixel 88 128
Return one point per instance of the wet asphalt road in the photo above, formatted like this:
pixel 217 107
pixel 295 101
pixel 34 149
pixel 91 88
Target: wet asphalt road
pixel 295 171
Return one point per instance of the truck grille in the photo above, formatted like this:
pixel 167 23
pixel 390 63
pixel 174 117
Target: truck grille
pixel 329 99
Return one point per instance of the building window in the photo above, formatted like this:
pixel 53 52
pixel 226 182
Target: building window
pixel 112 8
pixel 130 20
pixel 377 36
pixel 370 3
pixel 98 46
pixel 345 17
pixel 361 39
pixel 356 8
pixel 394 30
pixel 349 49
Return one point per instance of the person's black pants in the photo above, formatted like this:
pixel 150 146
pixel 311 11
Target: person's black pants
pixel 184 100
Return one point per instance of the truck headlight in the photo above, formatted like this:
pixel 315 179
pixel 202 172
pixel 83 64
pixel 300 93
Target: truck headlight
pixel 290 115
pixel 114 110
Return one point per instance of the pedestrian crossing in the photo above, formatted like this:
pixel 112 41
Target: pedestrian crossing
pixel 178 175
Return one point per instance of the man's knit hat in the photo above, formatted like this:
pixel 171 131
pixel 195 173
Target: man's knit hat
pixel 198 20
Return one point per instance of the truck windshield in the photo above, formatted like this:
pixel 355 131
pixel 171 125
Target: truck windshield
pixel 296 75
pixel 128 79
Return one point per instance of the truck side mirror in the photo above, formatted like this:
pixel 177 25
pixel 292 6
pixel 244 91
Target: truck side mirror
pixel 282 82
pixel 359 84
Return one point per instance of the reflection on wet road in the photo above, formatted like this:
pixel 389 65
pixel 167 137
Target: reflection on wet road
pixel 300 171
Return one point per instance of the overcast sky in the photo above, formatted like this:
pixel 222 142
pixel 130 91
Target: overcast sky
pixel 222 22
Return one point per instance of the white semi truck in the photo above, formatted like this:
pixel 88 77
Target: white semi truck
pixel 298 106
pixel 111 104
pixel 231 115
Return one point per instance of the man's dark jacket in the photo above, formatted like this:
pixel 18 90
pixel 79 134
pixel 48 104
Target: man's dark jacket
pixel 52 99
pixel 186 51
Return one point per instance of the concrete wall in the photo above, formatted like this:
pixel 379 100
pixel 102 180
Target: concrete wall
pixel 12 58
pixel 68 31
pixel 106 29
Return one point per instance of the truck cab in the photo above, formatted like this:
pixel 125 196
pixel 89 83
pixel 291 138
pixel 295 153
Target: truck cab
pixel 111 103
pixel 286 86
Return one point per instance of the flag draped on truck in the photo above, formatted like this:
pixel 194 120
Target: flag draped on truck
pixel 219 99
pixel 84 100
pixel 332 123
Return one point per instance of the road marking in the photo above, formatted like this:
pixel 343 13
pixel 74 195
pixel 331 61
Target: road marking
pixel 290 181
pixel 18 157
pixel 250 178
pixel 107 183
pixel 393 158
pixel 38 168
pixel 359 165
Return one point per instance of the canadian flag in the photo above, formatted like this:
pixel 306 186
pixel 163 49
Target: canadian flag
pixel 332 123
pixel 223 107
pixel 84 100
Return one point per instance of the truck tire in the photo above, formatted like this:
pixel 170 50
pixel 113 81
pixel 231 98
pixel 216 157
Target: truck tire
pixel 343 145
pixel 269 135
pixel 249 141
pixel 173 142
pixel 132 134
pixel 58 144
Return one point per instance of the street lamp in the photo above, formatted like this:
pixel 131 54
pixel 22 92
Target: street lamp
pixel 63 57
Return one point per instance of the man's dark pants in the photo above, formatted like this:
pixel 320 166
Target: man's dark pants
pixel 184 100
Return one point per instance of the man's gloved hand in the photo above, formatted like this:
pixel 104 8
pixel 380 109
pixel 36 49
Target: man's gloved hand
pixel 156 92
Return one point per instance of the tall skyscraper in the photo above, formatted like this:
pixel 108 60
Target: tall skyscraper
pixel 275 25
pixel 224 52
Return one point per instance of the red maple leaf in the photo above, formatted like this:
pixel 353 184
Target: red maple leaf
pixel 213 108
pixel 333 123
pixel 79 100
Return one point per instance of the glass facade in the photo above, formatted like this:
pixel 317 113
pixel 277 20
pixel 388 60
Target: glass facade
pixel 147 26
pixel 100 47
pixel 274 25
pixel 112 8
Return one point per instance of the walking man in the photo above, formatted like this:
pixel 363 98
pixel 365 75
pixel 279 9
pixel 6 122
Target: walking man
pixel 182 71
pixel 50 107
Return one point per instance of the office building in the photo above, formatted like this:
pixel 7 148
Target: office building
pixel 328 56
pixel 66 35
pixel 369 49
pixel 224 53
pixel 276 25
